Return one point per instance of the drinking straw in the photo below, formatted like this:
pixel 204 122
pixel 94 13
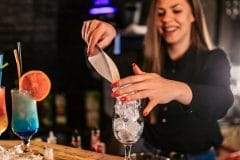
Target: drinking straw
pixel 4 65
pixel 19 54
pixel 1 62
pixel 17 62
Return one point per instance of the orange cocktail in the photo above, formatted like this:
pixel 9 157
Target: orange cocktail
pixel 3 111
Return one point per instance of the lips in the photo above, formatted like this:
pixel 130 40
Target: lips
pixel 169 29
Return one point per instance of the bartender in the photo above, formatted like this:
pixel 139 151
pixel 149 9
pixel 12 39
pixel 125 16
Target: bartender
pixel 184 80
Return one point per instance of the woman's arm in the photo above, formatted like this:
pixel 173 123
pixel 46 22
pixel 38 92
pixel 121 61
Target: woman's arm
pixel 209 99
pixel 213 98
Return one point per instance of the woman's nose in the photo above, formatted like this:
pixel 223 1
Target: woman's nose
pixel 167 17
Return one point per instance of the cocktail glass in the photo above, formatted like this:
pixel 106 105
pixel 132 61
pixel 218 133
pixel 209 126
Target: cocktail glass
pixel 3 113
pixel 25 121
pixel 127 124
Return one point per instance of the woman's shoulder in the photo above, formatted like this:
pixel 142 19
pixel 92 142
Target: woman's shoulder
pixel 210 58
pixel 217 52
pixel 216 56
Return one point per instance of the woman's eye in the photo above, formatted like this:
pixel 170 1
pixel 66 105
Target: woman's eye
pixel 177 11
pixel 160 14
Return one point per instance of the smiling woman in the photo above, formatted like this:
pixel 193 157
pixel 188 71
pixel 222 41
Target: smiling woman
pixel 184 83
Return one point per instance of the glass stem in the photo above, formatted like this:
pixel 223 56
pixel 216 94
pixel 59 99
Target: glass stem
pixel 127 149
pixel 25 145
pixel 1 148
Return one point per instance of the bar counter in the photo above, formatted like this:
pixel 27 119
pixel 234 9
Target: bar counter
pixel 62 152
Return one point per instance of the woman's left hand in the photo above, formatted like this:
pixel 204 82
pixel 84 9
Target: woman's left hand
pixel 157 89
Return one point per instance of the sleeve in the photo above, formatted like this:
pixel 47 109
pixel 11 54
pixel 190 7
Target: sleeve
pixel 212 98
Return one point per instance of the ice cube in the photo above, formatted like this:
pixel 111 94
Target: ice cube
pixel 118 109
pixel 124 135
pixel 118 124
pixel 132 112
pixel 134 128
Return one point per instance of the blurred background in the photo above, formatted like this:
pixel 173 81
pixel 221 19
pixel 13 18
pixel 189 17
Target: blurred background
pixel 50 34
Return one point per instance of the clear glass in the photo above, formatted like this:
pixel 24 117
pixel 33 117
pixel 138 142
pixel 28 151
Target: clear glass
pixel 127 124
pixel 3 113
pixel 25 121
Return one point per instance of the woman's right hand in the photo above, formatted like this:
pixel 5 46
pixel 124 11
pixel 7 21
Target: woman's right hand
pixel 95 32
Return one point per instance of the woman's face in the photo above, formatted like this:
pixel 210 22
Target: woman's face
pixel 174 21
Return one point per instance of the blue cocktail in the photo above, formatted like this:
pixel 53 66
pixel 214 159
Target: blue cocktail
pixel 24 116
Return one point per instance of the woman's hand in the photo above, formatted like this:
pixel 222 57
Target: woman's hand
pixel 95 32
pixel 157 89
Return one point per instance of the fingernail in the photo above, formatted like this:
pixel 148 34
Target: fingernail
pixel 145 113
pixel 134 64
pixel 115 84
pixel 123 99
pixel 114 94
pixel 88 53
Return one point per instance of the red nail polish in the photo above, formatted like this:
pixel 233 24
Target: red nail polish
pixel 87 54
pixel 114 94
pixel 115 84
pixel 123 99
pixel 145 114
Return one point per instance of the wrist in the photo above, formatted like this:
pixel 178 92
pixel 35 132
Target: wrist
pixel 183 93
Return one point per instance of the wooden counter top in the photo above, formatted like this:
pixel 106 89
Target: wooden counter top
pixel 62 152
pixel 231 136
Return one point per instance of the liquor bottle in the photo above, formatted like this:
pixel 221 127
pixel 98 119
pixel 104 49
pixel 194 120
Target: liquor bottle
pixel 92 107
pixel 46 111
pixel 76 139
pixel 60 104
pixel 95 138
pixel 96 144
